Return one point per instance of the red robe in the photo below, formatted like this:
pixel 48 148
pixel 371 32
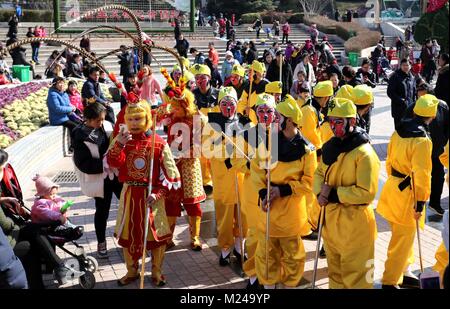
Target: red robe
pixel 133 163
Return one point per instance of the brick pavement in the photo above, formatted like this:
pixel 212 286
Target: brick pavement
pixel 187 269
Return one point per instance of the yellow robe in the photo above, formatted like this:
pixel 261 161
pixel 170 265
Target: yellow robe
pixel 409 156
pixel 350 230
pixel 224 193
pixel 288 218
pixel 310 126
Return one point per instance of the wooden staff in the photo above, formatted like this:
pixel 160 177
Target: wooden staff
pixel 316 258
pixel 250 79
pixel 321 222
pixel 269 159
pixel 417 223
pixel 238 206
pixel 147 208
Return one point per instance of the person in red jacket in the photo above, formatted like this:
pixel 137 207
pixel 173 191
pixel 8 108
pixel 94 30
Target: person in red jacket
pixel 286 31
pixel 417 67
pixel 213 54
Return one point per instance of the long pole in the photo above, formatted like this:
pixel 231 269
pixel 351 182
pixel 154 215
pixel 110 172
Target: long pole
pixel 316 258
pixel 250 79
pixel 238 206
pixel 269 162
pixel 147 208
pixel 417 223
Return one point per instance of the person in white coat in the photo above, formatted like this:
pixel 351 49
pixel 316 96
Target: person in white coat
pixel 306 66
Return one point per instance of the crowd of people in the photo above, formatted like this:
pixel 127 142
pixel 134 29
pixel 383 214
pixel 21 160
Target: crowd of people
pixel 291 129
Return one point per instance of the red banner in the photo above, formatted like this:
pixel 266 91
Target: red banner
pixel 434 5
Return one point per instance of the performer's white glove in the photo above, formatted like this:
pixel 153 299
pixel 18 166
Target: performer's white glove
pixel 151 199
pixel 109 171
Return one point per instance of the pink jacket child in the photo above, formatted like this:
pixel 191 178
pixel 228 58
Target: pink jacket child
pixel 47 206
pixel 74 95
pixel 75 99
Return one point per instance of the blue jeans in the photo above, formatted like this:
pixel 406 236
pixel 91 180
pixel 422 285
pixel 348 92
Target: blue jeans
pixel 35 54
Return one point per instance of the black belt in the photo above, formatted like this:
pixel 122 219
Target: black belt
pixel 406 179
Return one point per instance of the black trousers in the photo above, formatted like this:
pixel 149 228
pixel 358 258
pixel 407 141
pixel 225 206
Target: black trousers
pixel 110 115
pixel 437 182
pixel 285 36
pixel 367 119
pixel 69 124
pixel 102 206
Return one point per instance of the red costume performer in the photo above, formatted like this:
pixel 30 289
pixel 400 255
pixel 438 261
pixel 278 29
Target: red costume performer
pixel 180 112
pixel 130 153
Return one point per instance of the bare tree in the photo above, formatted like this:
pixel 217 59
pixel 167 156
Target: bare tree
pixel 311 7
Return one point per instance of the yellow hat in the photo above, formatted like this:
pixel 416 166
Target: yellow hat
pixel 188 76
pixel 426 106
pixel 199 69
pixel 176 67
pixel 341 108
pixel 345 92
pixel 186 63
pixel 362 95
pixel 258 66
pixel 289 108
pixel 238 70
pixel 227 92
pixel 323 89
pixel 265 99
pixel 274 87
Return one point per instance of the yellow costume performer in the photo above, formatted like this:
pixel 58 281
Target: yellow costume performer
pixel 225 175
pixel 246 105
pixel 346 182
pixel 206 101
pixel 181 112
pixel 291 176
pixel 251 140
pixel 408 165
pixel 310 126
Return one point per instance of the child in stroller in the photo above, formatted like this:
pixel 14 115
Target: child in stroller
pixel 79 266
pixel 384 69
pixel 48 211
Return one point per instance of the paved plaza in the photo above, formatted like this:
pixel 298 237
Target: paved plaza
pixel 185 268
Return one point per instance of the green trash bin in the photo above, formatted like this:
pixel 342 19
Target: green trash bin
pixel 16 69
pixel 24 73
pixel 353 59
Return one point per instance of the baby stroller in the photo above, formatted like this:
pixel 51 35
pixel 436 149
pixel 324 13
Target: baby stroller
pixel 384 69
pixel 80 265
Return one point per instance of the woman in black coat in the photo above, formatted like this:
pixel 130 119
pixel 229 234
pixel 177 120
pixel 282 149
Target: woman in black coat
pixel 442 90
pixel 90 142
pixel 13 24
pixel 18 54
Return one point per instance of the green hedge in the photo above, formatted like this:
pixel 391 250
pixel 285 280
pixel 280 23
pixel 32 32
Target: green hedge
pixel 356 36
pixel 250 18
pixel 268 17
pixel 28 15
pixel 435 26
pixel 296 18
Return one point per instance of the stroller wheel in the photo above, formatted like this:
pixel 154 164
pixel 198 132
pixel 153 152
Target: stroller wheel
pixel 91 264
pixel 87 281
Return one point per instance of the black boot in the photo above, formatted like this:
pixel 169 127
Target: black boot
pixel 410 282
pixel 322 253
pixel 224 261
